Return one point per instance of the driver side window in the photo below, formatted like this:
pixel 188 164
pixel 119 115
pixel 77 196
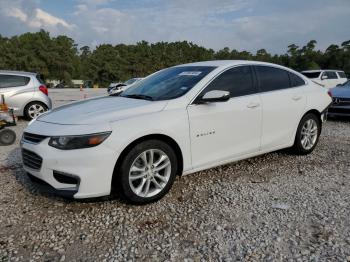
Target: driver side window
pixel 238 81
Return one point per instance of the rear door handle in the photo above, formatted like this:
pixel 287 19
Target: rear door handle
pixel 296 97
pixel 253 105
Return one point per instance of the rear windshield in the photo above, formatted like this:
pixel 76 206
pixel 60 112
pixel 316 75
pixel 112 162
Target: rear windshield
pixel 311 74
pixel 38 77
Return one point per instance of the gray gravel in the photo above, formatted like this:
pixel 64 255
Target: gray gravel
pixel 274 207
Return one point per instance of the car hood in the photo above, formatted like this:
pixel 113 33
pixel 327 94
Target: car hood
pixel 101 109
pixel 343 92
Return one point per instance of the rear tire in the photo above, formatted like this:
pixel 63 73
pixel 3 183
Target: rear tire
pixel 7 137
pixel 34 109
pixel 308 134
pixel 147 172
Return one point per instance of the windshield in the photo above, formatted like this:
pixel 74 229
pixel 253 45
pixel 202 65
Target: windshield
pixel 311 74
pixel 346 84
pixel 169 83
pixel 130 81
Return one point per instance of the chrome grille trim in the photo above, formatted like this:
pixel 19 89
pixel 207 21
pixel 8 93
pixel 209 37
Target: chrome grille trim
pixel 33 138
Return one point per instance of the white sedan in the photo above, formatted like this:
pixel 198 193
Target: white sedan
pixel 176 121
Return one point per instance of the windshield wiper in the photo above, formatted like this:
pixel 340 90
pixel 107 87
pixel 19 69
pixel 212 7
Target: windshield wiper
pixel 139 96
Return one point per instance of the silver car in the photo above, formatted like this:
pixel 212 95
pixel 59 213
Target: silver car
pixel 25 93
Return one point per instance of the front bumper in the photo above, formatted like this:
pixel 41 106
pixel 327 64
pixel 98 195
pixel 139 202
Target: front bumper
pixel 47 188
pixel 91 168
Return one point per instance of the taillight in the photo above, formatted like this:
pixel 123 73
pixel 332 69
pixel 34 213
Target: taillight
pixel 330 94
pixel 43 89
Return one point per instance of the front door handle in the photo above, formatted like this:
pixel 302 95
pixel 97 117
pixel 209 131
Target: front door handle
pixel 296 97
pixel 253 105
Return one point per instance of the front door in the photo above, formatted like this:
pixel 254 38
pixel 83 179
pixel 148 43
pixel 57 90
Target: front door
pixel 226 130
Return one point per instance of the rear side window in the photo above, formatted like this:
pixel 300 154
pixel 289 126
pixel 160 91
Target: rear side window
pixel 342 74
pixel 13 81
pixel 238 81
pixel 295 80
pixel 41 81
pixel 331 75
pixel 272 78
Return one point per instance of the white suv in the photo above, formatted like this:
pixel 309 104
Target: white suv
pixel 326 78
pixel 177 121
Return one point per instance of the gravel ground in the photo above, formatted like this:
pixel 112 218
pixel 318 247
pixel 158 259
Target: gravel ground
pixel 274 207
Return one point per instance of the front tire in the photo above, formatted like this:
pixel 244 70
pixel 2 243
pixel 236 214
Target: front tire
pixel 307 135
pixel 34 109
pixel 147 172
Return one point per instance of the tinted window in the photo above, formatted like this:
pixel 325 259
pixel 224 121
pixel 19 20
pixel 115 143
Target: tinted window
pixel 272 78
pixel 13 81
pixel 311 74
pixel 331 75
pixel 167 84
pixel 238 81
pixel 41 81
pixel 295 80
pixel 342 74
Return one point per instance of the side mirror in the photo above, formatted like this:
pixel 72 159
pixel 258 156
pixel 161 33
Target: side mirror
pixel 324 77
pixel 215 96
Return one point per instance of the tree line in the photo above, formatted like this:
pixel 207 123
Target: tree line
pixel 60 58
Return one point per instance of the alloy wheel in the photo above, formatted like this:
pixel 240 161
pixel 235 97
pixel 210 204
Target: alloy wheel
pixel 309 133
pixel 149 173
pixel 35 110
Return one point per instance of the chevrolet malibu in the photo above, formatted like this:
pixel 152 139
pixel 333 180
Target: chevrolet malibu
pixel 177 121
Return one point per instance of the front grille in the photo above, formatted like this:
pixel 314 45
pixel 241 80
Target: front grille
pixel 341 101
pixel 33 138
pixel 31 160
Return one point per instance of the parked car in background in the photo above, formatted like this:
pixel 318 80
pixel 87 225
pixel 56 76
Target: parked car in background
pixel 177 121
pixel 341 101
pixel 326 78
pixel 113 85
pixel 61 85
pixel 25 93
pixel 120 87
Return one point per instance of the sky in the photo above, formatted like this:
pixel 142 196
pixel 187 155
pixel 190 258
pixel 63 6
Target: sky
pixel 238 24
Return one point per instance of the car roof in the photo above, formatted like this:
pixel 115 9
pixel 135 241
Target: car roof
pixel 10 72
pixel 321 70
pixel 227 63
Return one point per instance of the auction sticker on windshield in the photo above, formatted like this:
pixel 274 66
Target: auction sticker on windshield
pixel 190 73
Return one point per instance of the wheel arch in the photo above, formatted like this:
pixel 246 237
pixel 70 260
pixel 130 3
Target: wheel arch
pixel 312 111
pixel 315 112
pixel 165 138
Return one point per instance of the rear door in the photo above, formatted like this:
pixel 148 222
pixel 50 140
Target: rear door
pixel 283 100
pixel 16 89
pixel 226 130
pixel 331 80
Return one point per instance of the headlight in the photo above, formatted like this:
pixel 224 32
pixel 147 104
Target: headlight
pixel 78 142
